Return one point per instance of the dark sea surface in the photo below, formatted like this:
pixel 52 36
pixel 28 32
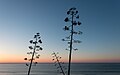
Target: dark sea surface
pixel 50 69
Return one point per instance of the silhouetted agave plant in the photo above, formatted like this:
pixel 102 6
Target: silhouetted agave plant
pixel 60 65
pixel 34 51
pixel 72 19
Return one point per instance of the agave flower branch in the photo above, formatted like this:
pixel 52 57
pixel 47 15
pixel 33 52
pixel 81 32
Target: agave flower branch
pixel 72 19
pixel 58 64
pixel 34 51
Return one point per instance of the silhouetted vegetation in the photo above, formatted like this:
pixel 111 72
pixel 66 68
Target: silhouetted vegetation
pixel 72 19
pixel 59 65
pixel 34 51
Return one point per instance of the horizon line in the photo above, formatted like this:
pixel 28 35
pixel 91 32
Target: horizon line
pixel 53 62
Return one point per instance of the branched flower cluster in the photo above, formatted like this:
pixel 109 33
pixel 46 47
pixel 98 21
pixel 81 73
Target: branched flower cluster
pixel 60 65
pixel 35 47
pixel 72 19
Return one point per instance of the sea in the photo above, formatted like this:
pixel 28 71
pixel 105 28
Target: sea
pixel 50 69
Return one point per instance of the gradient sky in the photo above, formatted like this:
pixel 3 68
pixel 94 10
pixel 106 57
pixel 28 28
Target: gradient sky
pixel 21 19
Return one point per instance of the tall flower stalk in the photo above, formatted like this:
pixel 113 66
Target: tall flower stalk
pixel 35 47
pixel 72 19
pixel 61 68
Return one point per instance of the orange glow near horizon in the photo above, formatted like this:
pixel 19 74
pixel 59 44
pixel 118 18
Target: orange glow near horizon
pixel 10 59
pixel 49 60
pixel 17 58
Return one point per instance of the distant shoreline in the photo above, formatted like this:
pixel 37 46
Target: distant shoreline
pixel 72 63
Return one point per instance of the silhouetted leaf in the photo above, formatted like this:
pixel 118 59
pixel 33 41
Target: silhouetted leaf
pixel 79 41
pixel 37 46
pixel 66 19
pixel 68 42
pixel 67 37
pixel 75 41
pixel 41 48
pixel 36 63
pixel 38 37
pixel 29 59
pixel 37 56
pixel 25 58
pixel 40 41
pixel 76 12
pixel 79 32
pixel 37 49
pixel 68 12
pixel 35 36
pixel 76 49
pixel 70 9
pixel 75 32
pixel 75 23
pixel 53 53
pixel 30 52
pixel 31 41
pixel 30 47
pixel 60 57
pixel 77 17
pixel 27 65
pixel 66 49
pixel 63 39
pixel 38 34
pixel 79 23
pixel 66 28
pixel 35 42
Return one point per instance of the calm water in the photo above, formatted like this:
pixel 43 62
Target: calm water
pixel 50 69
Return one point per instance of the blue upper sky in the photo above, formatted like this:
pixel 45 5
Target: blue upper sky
pixel 21 19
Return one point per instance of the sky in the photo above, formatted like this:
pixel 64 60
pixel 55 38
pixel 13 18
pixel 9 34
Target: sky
pixel 21 19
